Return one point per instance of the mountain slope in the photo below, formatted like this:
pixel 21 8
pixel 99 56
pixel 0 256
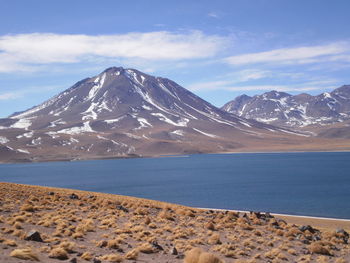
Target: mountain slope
pixel 283 109
pixel 124 112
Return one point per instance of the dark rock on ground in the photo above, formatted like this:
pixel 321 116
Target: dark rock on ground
pixel 74 196
pixel 156 245
pixel 34 236
pixel 309 228
pixel 174 251
pixel 122 208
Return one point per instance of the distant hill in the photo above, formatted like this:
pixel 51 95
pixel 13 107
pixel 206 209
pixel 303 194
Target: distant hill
pixel 283 109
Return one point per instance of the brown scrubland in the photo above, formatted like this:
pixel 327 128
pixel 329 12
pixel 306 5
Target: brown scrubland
pixel 44 224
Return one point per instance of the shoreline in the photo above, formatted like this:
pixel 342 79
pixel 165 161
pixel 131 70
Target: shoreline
pixel 97 158
pixel 323 222
pixel 277 214
pixel 296 218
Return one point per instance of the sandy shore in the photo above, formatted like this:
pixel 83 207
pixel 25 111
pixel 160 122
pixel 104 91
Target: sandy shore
pixel 319 222
pixel 80 226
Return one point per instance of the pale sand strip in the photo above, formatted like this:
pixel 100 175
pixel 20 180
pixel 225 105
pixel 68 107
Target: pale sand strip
pixel 318 222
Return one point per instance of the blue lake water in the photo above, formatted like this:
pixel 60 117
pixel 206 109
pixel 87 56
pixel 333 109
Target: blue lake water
pixel 315 184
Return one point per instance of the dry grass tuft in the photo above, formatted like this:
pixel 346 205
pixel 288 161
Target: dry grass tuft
pixel 112 258
pixel 86 256
pixel 114 243
pixel 25 254
pixel 210 226
pixel 132 254
pixel 319 248
pixel 208 258
pixel 192 256
pixel 9 242
pixel 147 248
pixel 196 255
pixel 27 208
pixel 58 253
pixel 166 215
pixel 67 246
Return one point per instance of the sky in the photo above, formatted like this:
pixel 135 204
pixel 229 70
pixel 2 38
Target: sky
pixel 217 49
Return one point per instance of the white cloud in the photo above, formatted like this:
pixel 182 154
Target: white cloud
pixel 297 55
pixel 19 93
pixel 213 14
pixel 284 88
pixel 251 74
pixel 9 96
pixel 232 86
pixel 19 52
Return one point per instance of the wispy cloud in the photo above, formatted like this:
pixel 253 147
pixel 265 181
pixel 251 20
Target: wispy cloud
pixel 9 96
pixel 225 85
pixel 213 15
pixel 297 55
pixel 20 52
pixel 29 90
pixel 249 74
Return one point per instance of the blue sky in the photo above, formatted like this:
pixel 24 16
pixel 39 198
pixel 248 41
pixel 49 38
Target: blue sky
pixel 217 49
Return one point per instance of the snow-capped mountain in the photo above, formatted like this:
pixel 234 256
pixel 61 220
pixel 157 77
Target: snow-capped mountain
pixel 283 109
pixel 124 112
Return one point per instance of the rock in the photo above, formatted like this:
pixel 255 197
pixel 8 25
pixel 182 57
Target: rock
pixel 34 236
pixel 174 251
pixel 275 223
pixel 281 221
pixel 73 260
pixel 316 238
pixel 156 245
pixel 122 208
pixel 73 196
pixel 51 193
pixel 309 228
pixel 344 235
pixel 341 231
pixel 95 260
pixel 268 215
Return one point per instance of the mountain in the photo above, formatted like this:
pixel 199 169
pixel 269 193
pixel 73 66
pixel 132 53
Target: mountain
pixel 283 109
pixel 125 113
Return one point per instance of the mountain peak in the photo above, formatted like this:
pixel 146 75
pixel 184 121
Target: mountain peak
pixel 274 94
pixel 113 70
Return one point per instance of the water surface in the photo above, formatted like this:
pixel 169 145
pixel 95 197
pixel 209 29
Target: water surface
pixel 315 184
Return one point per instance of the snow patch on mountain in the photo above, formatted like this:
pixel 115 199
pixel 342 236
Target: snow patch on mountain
pixel 178 132
pixel 3 140
pixel 78 129
pixel 98 85
pixel 22 124
pixel 182 123
pixel 114 120
pixel 25 135
pixel 23 151
pixel 205 133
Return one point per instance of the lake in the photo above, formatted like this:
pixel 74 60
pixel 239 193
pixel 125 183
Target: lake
pixel 314 184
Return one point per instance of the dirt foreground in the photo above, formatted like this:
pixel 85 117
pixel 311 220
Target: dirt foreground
pixel 61 225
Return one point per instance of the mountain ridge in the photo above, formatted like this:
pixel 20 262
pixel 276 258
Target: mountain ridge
pixel 126 113
pixel 293 111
